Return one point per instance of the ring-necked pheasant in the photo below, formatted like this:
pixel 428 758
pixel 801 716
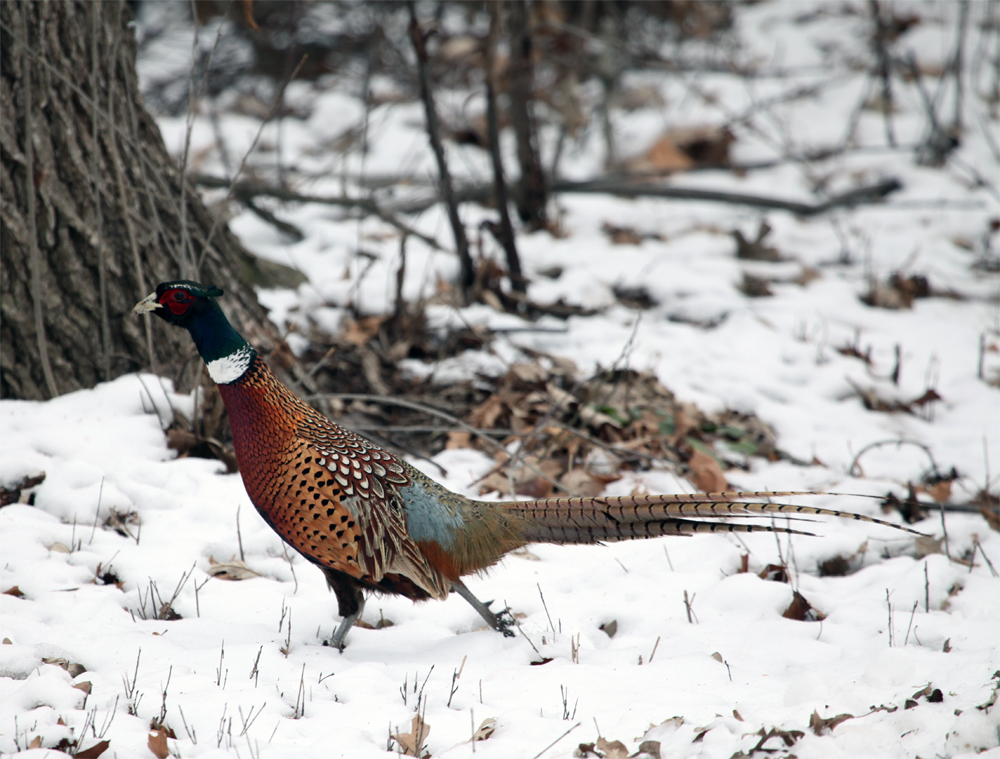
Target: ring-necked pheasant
pixel 372 522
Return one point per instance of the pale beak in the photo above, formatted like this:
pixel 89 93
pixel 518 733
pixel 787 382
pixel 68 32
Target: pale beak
pixel 147 304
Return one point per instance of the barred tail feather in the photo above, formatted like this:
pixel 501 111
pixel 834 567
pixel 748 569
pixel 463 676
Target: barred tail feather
pixel 590 520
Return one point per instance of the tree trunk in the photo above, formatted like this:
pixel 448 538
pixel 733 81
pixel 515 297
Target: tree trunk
pixel 532 196
pixel 95 212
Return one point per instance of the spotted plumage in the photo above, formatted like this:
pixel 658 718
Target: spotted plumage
pixel 372 522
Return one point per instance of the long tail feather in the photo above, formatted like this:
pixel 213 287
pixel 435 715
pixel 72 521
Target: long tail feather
pixel 589 520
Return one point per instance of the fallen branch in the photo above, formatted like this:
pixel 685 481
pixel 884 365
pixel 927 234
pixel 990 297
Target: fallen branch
pixel 434 135
pixel 626 187
pixel 625 190
pixel 619 187
pixel 245 190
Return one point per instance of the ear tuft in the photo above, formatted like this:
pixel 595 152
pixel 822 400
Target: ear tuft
pixel 214 292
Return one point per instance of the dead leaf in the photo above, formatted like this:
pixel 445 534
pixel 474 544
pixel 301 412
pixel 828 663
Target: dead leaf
pixel 86 686
pixel 486 729
pixel 717 656
pixel 158 743
pixel 926 545
pixel 361 331
pixel 8 642
pixel 940 491
pixel 612 749
pixel 181 441
pixel 650 747
pixel 14 591
pixel 755 287
pixel 621 235
pixel 486 413
pixel 801 610
pixel 706 474
pixel 12 493
pixel 756 250
pixel 610 628
pixel 580 482
pixel 459 439
pixel 787 736
pixel 73 668
pixel 412 743
pixel 36 742
pixel 807 275
pixel 823 725
pixel 234 569
pixel 774 572
pixel 663 156
pixel 94 751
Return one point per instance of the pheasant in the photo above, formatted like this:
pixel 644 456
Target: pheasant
pixel 372 522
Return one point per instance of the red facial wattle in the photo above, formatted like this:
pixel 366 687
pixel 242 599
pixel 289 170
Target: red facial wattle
pixel 177 301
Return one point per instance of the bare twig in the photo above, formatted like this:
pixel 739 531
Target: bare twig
pixel 434 135
pixel 253 146
pixel 245 190
pixel 505 232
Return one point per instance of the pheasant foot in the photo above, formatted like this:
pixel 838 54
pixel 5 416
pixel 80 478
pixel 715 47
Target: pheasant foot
pixel 502 622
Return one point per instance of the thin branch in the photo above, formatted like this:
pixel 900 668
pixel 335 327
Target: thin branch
pixel 627 186
pixel 245 190
pixel 434 135
pixel 505 233
pixel 253 146
pixel 625 190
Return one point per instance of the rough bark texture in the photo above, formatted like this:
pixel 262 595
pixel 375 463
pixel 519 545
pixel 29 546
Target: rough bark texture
pixel 93 212
pixel 532 196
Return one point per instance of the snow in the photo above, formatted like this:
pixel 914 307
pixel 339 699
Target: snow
pixel 244 671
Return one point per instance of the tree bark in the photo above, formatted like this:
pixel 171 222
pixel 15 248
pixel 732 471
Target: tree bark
pixel 532 196
pixel 93 211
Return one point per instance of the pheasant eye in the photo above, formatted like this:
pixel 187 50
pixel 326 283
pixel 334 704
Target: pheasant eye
pixel 177 301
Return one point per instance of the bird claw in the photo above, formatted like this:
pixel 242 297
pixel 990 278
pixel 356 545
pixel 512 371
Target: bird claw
pixel 505 621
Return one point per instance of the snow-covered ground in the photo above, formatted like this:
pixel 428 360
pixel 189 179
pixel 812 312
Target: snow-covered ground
pixel 909 641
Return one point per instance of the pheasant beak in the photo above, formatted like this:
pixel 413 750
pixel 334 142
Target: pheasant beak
pixel 147 304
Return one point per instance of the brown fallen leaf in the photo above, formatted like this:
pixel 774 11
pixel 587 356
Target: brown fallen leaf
pixel 459 439
pixel 706 474
pixel 412 743
pixel 612 749
pixel 73 668
pixel 234 569
pixel 486 729
pixel 361 331
pixel 787 736
pixel 36 742
pixel 756 249
pixel 799 609
pixel 86 686
pixel 14 591
pixel 157 743
pixel 824 725
pixel 663 156
pixel 12 493
pixel 94 751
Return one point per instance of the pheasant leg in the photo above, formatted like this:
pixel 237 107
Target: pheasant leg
pixel 501 622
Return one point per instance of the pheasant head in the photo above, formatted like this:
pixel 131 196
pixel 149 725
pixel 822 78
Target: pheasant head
pixel 192 306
